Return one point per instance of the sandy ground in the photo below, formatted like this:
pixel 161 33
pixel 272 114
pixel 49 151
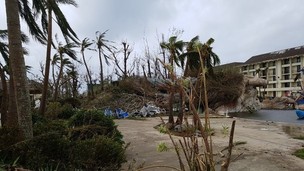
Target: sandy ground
pixel 268 147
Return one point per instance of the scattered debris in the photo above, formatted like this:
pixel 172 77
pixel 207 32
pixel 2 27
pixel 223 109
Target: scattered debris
pixel 119 113
pixel 148 110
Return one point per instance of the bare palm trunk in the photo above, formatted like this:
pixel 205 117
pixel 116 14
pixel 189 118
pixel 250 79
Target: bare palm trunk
pixel 171 96
pixel 12 117
pixel 4 99
pixel 17 64
pixel 58 78
pixel 91 92
pixel 182 108
pixel 47 64
pixel 101 69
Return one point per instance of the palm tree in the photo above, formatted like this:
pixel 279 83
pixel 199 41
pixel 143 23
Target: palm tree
pixel 17 65
pixel 61 51
pixel 52 6
pixel 4 69
pixel 208 59
pixel 103 45
pixel 85 44
pixel 175 49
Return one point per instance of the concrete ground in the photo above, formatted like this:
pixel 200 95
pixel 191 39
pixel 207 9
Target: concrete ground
pixel 267 145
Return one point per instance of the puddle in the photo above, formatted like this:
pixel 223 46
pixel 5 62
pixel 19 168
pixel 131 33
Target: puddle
pixel 294 130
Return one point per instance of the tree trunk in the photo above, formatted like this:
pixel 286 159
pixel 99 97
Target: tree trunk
pixel 101 69
pixel 90 91
pixel 17 64
pixel 47 64
pixel 182 108
pixel 12 117
pixel 4 100
pixel 58 78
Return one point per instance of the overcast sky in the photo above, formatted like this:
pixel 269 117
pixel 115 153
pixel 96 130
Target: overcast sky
pixel 241 28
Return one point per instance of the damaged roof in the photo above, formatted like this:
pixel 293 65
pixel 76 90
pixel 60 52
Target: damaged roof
pixel 280 54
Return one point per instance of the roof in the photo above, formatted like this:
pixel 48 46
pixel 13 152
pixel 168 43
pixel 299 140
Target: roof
pixel 280 54
pixel 232 64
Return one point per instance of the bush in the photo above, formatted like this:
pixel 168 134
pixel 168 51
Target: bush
pixel 67 111
pixel 8 136
pixel 47 150
pixel 100 153
pixel 89 117
pixel 92 142
pixel 45 127
pixel 93 122
pixel 53 110
pixel 74 102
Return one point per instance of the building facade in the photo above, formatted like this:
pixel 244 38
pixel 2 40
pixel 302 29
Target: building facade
pixel 279 68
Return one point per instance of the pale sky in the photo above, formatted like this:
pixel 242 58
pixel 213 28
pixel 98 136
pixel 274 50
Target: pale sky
pixel 241 28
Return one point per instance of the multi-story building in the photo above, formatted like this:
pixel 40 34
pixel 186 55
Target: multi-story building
pixel 279 68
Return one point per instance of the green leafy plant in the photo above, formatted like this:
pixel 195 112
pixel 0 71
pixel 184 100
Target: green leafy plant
pixel 225 130
pixel 163 129
pixel 299 153
pixel 161 147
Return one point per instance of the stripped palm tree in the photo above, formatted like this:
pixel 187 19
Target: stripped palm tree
pixel 85 44
pixel 63 50
pixel 45 9
pixel 22 117
pixel 103 46
pixel 175 48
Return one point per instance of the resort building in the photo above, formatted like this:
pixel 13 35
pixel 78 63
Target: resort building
pixel 279 68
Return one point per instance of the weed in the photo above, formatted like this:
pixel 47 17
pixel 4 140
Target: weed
pixel 299 153
pixel 163 129
pixel 225 130
pixel 162 147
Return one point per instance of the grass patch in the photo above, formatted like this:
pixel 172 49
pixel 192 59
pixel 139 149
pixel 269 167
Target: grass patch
pixel 301 137
pixel 299 153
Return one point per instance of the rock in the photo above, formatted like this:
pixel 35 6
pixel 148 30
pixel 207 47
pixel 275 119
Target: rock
pixel 248 101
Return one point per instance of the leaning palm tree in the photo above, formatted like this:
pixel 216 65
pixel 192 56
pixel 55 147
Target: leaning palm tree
pixel 63 50
pixel 103 45
pixel 85 44
pixel 4 52
pixel 22 118
pixel 175 48
pixel 46 9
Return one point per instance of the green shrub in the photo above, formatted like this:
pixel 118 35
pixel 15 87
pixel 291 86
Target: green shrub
pixel 67 111
pixel 74 102
pixel 36 118
pixel 8 137
pixel 87 132
pixel 100 153
pixel 89 117
pixel 99 125
pixel 299 153
pixel 53 110
pixel 47 150
pixel 59 126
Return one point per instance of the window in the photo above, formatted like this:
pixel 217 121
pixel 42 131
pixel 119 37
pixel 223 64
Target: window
pixel 286 61
pixel 286 70
pixel 251 67
pixel 298 59
pixel 272 63
pixel 244 68
pixel 286 84
pixel 286 77
pixel 298 68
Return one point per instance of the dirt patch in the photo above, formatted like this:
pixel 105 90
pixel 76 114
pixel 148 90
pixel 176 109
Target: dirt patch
pixel 267 146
